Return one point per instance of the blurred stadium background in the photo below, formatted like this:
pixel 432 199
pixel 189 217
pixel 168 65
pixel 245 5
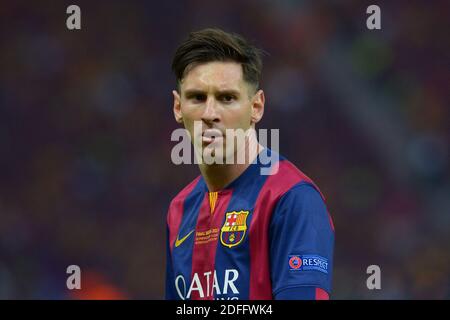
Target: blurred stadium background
pixel 85 124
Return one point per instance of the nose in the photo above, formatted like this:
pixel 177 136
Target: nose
pixel 210 113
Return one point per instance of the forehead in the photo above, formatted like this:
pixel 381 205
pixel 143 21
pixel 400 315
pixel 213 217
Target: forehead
pixel 217 75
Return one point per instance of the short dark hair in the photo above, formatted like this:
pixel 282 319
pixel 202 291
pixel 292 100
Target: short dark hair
pixel 213 44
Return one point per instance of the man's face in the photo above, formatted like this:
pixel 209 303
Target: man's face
pixel 215 95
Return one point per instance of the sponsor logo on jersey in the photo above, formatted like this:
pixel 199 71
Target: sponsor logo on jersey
pixel 308 262
pixel 234 228
pixel 211 287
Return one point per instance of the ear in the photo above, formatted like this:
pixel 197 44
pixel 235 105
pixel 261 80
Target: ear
pixel 258 101
pixel 177 107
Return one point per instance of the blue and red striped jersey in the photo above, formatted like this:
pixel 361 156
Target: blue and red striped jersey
pixel 261 237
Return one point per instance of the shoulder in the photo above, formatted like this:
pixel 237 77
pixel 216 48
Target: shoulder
pixel 303 203
pixel 302 194
pixel 285 176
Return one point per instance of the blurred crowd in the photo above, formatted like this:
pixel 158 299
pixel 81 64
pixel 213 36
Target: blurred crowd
pixel 85 125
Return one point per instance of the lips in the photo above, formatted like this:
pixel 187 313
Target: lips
pixel 209 135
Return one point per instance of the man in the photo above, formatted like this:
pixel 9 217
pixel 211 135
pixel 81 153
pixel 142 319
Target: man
pixel 233 232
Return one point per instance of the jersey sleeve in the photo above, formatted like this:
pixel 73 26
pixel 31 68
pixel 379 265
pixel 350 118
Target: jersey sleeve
pixel 301 245
pixel 170 293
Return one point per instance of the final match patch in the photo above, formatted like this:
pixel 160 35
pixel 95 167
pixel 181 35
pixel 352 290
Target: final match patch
pixel 308 262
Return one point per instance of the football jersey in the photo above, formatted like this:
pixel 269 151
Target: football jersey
pixel 260 237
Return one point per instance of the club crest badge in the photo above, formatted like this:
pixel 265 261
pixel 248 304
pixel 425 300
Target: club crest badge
pixel 234 228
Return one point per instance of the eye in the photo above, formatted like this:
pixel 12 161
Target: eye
pixel 227 98
pixel 198 97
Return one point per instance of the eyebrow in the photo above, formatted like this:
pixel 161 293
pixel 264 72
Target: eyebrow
pixel 191 92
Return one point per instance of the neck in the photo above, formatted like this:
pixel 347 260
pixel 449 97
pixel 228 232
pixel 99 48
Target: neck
pixel 218 176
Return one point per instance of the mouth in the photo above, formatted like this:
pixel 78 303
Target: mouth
pixel 211 135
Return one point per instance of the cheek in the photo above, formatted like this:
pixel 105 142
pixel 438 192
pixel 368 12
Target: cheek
pixel 241 119
pixel 189 116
